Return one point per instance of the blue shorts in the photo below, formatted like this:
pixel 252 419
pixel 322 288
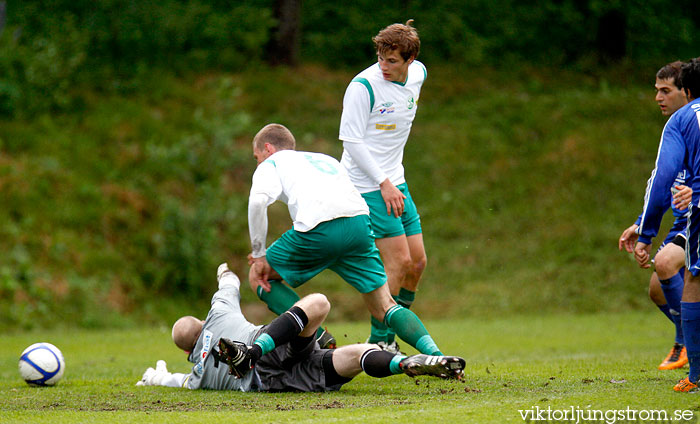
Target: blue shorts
pixel 692 255
pixel 343 245
pixel 676 234
pixel 385 226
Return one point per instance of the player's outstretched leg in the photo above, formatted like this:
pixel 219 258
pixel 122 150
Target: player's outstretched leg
pixel 379 363
pixel 438 366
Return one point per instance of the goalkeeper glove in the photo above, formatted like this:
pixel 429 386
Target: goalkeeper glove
pixel 154 377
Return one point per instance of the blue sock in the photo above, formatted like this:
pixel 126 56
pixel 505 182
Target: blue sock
pixel 673 291
pixel 691 326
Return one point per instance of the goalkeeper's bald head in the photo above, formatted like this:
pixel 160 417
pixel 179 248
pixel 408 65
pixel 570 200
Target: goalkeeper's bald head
pixel 186 331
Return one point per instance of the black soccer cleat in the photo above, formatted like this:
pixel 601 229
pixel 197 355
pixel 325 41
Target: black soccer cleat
pixel 326 340
pixel 236 355
pixel 448 367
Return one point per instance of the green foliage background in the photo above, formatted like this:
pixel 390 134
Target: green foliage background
pixel 125 155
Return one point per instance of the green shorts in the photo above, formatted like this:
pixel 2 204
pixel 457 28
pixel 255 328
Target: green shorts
pixel 343 245
pixel 385 226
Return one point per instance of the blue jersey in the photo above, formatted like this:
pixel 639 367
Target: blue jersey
pixel 679 149
pixel 683 178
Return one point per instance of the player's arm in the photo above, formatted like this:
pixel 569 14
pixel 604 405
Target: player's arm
pixel 657 200
pixel 392 196
pixel 257 224
pixel 266 188
pixel 353 127
pixel 159 376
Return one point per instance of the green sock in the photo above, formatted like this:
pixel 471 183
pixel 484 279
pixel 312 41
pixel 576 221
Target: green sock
pixel 405 299
pixel 280 298
pixel 394 364
pixel 410 328
pixel 378 332
pixel 390 334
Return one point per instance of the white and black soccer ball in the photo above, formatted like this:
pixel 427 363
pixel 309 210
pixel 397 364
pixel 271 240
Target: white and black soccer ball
pixel 41 364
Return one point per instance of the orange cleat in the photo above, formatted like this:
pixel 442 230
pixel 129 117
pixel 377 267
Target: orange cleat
pixel 686 385
pixel 676 358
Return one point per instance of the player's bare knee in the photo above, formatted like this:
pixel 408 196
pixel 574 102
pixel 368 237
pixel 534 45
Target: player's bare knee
pixel 315 305
pixel 399 267
pixel 418 266
pixel 664 267
pixel 322 303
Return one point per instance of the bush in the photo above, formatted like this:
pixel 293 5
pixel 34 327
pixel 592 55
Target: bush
pixel 40 73
pixel 50 49
pixel 506 31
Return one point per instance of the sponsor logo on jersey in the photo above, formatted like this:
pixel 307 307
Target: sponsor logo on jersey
pixel 386 108
pixel 206 346
pixel 385 127
pixel 681 177
pixel 411 103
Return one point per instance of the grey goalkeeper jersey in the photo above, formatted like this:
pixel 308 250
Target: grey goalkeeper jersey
pixel 225 319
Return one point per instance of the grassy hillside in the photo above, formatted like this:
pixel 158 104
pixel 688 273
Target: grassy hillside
pixel 121 210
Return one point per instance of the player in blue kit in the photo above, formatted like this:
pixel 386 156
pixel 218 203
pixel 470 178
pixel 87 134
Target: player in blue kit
pixel 666 282
pixel 679 147
pixel 379 107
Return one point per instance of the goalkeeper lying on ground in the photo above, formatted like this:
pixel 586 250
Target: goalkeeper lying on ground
pixel 230 353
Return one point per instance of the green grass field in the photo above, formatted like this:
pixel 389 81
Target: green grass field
pixel 603 362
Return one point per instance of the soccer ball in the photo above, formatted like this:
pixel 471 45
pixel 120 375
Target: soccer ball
pixel 41 364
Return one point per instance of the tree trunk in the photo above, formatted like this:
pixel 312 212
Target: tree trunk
pixel 283 47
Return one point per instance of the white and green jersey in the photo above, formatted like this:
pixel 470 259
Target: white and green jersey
pixel 314 186
pixel 379 113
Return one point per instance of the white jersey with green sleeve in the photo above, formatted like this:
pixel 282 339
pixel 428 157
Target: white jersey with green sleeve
pixel 314 186
pixel 380 113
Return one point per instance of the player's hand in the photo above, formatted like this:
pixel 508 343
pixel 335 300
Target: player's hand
pixel 642 253
pixel 153 377
pixel 682 197
pixel 628 238
pixel 259 273
pixel 392 197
